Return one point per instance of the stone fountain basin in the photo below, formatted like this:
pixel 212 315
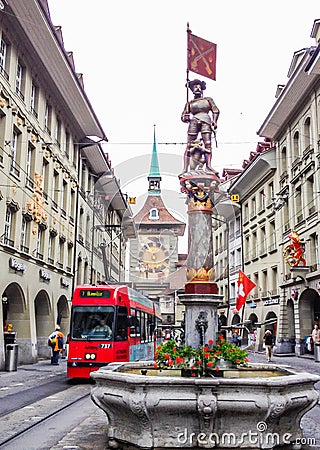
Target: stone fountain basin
pixel 256 407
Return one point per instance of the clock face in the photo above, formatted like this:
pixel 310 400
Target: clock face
pixel 154 255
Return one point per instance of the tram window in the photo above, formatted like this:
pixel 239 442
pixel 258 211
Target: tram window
pixel 134 325
pixel 122 324
pixel 92 322
pixel 138 328
pixel 143 326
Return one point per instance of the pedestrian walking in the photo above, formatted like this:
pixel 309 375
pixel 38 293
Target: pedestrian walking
pixel 268 341
pixel 55 341
pixel 252 338
pixel 236 338
pixel 315 334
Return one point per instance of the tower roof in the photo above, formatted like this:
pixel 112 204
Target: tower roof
pixel 154 167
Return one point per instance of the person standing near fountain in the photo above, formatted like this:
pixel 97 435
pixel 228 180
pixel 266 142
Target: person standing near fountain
pixel 268 344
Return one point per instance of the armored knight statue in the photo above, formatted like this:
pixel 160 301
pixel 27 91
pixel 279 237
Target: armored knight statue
pixel 197 113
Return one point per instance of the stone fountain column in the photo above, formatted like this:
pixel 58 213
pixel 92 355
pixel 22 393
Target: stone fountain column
pixel 201 296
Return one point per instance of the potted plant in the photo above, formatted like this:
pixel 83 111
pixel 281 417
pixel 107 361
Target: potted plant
pixel 201 361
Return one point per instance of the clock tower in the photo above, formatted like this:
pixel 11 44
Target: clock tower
pixel 154 253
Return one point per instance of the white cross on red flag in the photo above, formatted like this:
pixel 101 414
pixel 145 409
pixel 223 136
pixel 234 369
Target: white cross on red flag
pixel 245 285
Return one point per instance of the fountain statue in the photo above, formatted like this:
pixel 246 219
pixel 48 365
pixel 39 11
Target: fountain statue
pixel 257 406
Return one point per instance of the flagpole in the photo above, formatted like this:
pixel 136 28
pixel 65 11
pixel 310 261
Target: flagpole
pixel 188 56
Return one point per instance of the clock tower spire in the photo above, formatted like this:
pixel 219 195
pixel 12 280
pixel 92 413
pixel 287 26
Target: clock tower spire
pixel 154 177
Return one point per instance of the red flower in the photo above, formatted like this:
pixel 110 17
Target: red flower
pixel 217 369
pixel 205 348
pixel 199 362
pixel 210 364
pixel 170 362
pixel 192 367
pixel 155 366
pixel 174 349
pixel 207 355
pixel 210 341
pixel 156 353
pixel 238 361
pixel 193 374
pixel 166 355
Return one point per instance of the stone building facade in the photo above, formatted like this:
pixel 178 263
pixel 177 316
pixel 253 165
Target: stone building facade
pixel 61 204
pixel 279 192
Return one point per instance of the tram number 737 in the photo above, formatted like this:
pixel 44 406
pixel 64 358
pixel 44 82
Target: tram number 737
pixel 109 323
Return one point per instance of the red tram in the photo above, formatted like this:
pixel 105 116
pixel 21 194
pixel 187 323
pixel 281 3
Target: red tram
pixel 109 323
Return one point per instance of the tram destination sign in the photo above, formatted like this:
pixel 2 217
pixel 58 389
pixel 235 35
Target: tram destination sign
pixel 94 293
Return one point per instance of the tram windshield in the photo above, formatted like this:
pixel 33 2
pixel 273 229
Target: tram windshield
pixel 92 322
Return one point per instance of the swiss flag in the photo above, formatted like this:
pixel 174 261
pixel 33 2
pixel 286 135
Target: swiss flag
pixel 245 285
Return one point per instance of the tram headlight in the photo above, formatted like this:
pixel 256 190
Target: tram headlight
pixel 90 356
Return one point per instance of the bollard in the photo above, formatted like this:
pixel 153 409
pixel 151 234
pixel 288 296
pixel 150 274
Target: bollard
pixel 11 359
pixel 317 352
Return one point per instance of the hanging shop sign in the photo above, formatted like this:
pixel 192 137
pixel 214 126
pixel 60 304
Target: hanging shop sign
pixel 64 282
pixel 16 265
pixel 271 301
pixel 44 275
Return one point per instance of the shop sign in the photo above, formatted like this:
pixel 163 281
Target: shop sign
pixel 64 282
pixel 271 301
pixel 16 265
pixel 45 275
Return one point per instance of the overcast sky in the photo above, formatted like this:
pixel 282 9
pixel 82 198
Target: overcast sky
pixel 133 56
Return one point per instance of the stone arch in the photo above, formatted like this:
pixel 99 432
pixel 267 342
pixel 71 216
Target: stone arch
pixel 63 314
pixel 235 319
pixel 44 322
pixel 15 312
pixel 272 326
pixel 308 304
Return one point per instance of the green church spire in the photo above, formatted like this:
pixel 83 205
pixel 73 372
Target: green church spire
pixel 154 177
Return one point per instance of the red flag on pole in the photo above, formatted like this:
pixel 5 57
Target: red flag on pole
pixel 245 285
pixel 202 56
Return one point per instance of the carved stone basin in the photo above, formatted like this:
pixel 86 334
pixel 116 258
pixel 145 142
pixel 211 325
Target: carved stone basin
pixel 256 407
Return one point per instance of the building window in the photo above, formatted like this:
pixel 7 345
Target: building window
pixel 56 186
pixel 58 132
pixel 307 133
pixel 40 243
pixel 45 177
pixel 3 58
pixel 25 235
pixel 47 118
pixel 295 145
pixel 15 143
pixel 20 80
pixel 154 214
pixel 34 100
pixel 30 166
pixel 283 161
pixel 65 192
pixel 7 227
pixel 61 252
